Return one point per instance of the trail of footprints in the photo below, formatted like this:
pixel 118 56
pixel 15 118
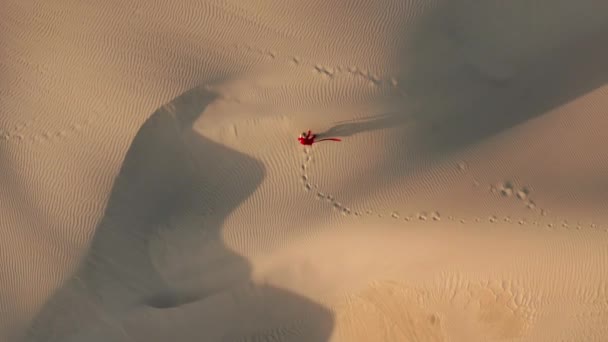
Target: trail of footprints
pixel 329 72
pixel 17 135
pixel 325 71
pixel 505 189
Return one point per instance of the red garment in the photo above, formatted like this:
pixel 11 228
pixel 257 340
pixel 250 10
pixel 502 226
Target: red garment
pixel 309 139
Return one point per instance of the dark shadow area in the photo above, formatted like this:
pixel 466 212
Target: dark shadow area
pixel 158 245
pixel 464 82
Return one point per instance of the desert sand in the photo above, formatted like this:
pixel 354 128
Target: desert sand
pixel 152 187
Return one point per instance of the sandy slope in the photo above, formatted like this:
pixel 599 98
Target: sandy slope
pixel 152 188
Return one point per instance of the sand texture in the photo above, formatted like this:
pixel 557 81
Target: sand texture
pixel 152 187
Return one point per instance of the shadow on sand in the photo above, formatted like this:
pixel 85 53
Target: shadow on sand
pixel 464 78
pixel 467 78
pixel 372 123
pixel 158 245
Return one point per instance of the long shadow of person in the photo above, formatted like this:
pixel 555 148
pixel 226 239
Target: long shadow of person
pixel 355 126
pixel 158 245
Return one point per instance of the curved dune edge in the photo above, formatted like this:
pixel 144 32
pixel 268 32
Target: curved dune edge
pixel 466 202
pixel 440 282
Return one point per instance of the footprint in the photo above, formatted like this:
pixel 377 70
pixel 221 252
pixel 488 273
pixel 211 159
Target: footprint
pixel 523 193
pixel 422 216
pixel 436 216
pixel 506 189
pixel 530 205
pixel 324 71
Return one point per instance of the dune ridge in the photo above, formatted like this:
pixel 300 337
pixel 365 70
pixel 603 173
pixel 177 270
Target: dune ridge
pixel 152 187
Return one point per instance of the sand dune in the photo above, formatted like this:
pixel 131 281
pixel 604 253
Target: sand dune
pixel 153 188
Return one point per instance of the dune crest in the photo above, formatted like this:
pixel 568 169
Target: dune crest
pixel 153 187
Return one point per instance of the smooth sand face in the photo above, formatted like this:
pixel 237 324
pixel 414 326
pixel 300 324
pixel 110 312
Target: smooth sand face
pixel 153 188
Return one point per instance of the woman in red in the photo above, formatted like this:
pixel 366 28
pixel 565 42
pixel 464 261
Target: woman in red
pixel 309 138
